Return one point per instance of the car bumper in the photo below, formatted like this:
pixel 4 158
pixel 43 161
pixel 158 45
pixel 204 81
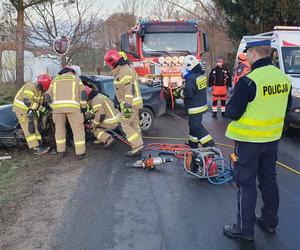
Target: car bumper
pixel 293 117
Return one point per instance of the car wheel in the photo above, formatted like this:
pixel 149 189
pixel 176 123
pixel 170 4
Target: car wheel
pixel 146 119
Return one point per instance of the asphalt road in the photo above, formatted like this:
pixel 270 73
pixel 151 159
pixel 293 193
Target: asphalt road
pixel 115 207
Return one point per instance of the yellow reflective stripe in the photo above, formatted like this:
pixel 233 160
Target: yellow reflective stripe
pixel 264 134
pixel 39 137
pixel 29 93
pixel 73 90
pixel 109 108
pixel 83 102
pixel 64 77
pixel 128 96
pixel 100 134
pixel 125 79
pixel 78 143
pixel 97 123
pixel 261 123
pixel 54 91
pixel 34 106
pixel 63 141
pixel 20 104
pixel 137 101
pixel 193 139
pixel 133 137
pixel 205 139
pixel 31 138
pixel 65 105
pixel 197 110
pixel 95 107
pixel 112 120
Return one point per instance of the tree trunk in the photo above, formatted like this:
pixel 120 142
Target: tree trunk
pixel 20 45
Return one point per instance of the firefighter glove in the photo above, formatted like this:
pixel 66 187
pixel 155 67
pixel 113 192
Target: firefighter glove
pixel 177 93
pixel 127 112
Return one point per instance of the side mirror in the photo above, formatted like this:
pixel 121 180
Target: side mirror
pixel 61 45
pixel 205 43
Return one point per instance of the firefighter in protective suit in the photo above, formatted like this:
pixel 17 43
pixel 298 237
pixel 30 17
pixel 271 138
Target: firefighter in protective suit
pixel 129 96
pixel 195 101
pixel 68 100
pixel 242 69
pixel 105 116
pixel 28 105
pixel 219 82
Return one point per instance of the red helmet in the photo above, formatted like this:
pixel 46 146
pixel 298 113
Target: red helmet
pixel 112 57
pixel 44 81
pixel 242 56
pixel 88 90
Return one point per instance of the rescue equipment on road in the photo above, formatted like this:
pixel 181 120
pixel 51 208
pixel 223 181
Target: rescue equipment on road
pixel 149 163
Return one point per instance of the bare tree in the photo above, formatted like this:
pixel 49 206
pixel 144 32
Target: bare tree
pixel 77 20
pixel 21 6
pixel 136 8
pixel 166 10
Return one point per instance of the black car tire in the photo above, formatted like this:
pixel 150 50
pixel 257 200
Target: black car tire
pixel 146 119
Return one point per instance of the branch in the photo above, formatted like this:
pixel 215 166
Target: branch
pixel 34 2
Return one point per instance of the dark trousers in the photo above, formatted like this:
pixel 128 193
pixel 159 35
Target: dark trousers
pixel 198 133
pixel 256 160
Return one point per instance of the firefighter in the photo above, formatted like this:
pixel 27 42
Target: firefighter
pixel 195 101
pixel 257 108
pixel 28 106
pixel 105 117
pixel 242 69
pixel 219 82
pixel 68 100
pixel 129 97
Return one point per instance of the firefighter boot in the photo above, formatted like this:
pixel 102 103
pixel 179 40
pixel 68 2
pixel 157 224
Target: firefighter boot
pixel 109 142
pixel 214 115
pixel 82 156
pixel 40 150
pixel 135 152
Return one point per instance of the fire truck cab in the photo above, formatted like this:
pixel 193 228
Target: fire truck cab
pixel 157 49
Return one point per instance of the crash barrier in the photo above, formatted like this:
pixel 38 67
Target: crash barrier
pixel 222 145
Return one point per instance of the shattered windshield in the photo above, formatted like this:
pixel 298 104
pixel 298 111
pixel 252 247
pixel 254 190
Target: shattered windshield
pixel 164 43
pixel 291 60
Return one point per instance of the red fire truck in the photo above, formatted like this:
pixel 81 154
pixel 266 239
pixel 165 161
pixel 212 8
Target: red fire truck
pixel 157 49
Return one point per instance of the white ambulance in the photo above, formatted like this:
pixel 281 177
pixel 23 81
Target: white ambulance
pixel 285 42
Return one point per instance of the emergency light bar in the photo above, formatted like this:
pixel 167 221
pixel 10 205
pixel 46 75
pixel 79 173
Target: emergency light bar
pixel 286 28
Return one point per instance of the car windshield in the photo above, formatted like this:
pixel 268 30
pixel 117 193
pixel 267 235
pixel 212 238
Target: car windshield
pixel 165 43
pixel 291 60
pixel 109 89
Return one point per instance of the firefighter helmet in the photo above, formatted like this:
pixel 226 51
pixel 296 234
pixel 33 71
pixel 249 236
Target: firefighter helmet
pixel 88 90
pixel 189 62
pixel 242 56
pixel 112 57
pixel 44 81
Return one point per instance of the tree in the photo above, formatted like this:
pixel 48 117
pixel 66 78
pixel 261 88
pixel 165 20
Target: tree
pixel 21 6
pixel 246 17
pixel 78 21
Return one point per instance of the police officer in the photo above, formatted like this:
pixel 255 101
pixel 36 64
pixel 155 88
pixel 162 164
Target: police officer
pixel 195 101
pixel 257 108
pixel 242 69
pixel 219 82
pixel 105 117
pixel 28 105
pixel 68 100
pixel 129 96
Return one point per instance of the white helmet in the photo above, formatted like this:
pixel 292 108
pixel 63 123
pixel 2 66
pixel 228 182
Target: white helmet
pixel 189 62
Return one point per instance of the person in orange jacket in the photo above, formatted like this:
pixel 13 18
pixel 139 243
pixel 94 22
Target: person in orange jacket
pixel 219 81
pixel 242 69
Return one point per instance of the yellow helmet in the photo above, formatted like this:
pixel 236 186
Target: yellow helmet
pixel 123 54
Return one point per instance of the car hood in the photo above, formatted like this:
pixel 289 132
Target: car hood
pixel 8 119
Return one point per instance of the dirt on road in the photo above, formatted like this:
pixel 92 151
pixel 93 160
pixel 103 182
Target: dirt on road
pixel 33 191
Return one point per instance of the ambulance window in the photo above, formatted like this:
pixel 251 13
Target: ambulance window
pixel 274 57
pixel 291 59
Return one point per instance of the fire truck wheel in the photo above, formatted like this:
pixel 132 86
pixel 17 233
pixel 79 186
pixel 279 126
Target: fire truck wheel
pixel 146 119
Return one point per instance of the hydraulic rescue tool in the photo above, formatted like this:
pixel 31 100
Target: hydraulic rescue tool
pixel 149 163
